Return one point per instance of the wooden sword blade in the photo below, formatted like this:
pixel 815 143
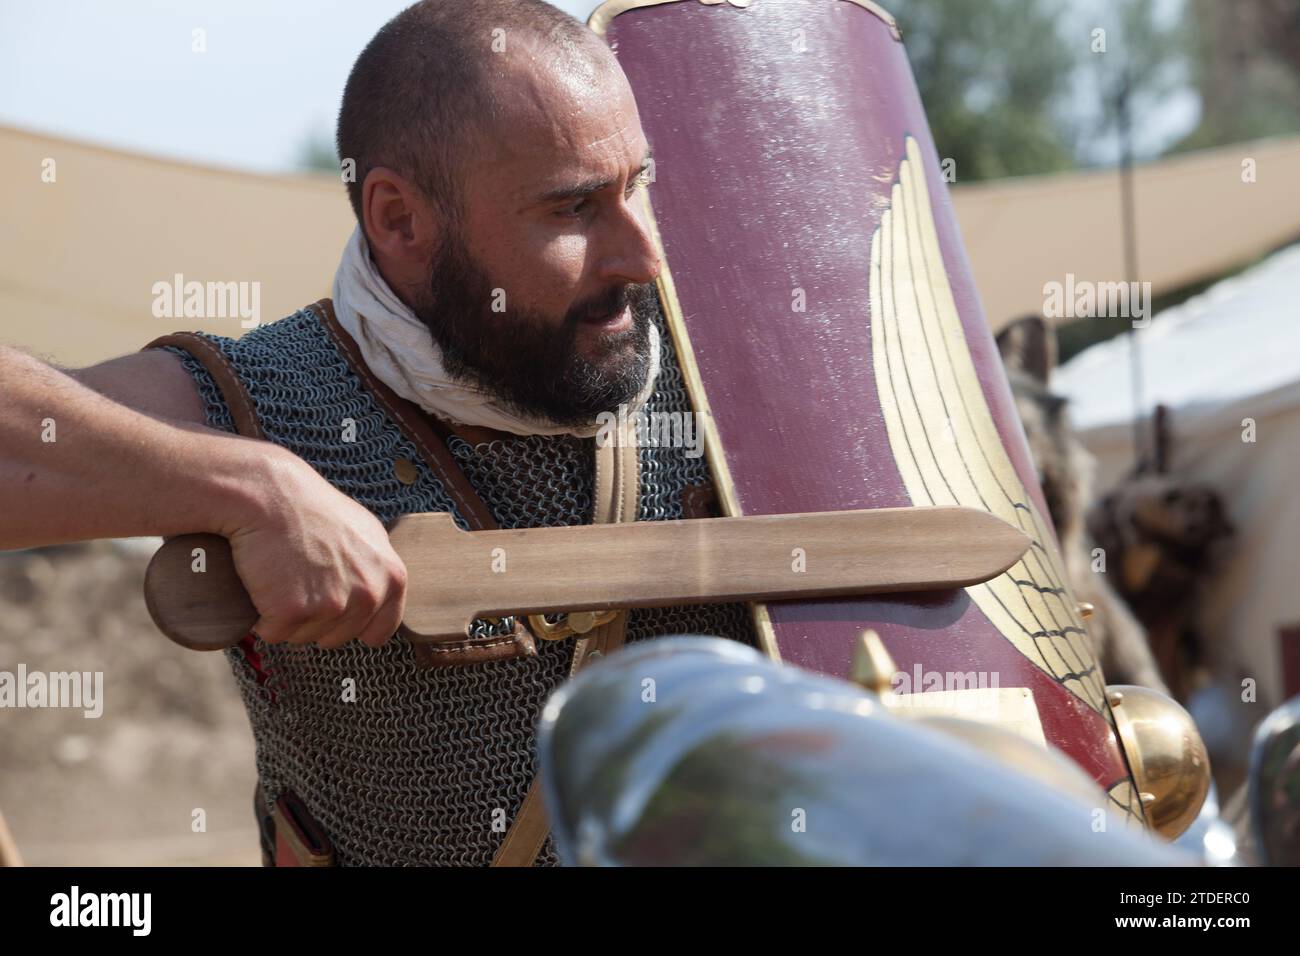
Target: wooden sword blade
pixel 456 576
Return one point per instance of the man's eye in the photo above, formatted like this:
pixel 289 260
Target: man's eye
pixel 573 211
pixel 642 178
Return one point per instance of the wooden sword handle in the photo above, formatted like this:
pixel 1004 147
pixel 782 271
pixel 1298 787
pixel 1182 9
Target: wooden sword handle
pixel 194 595
pixel 455 576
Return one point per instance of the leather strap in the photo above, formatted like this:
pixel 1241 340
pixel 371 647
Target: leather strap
pixel 617 495
pixel 527 833
pixel 299 839
pixel 232 389
pixel 617 480
pixel 414 424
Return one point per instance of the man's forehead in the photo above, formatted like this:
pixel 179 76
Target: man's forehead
pixel 563 104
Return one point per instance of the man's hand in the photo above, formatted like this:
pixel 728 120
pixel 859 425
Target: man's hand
pixel 317 565
pixel 120 450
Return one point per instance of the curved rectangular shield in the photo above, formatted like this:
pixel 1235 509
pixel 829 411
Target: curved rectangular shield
pixel 835 349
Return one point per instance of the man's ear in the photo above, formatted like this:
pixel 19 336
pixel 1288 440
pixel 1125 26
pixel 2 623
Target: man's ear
pixel 1029 344
pixel 400 225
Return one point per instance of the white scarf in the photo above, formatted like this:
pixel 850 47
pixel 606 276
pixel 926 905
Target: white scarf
pixel 400 351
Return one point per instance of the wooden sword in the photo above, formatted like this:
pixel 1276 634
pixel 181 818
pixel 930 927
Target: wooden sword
pixel 455 576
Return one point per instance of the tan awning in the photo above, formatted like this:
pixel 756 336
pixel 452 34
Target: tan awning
pixel 1195 217
pixel 79 256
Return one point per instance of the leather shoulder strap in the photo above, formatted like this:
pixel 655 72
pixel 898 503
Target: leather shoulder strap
pixel 617 495
pixel 618 479
pixel 427 434
pixel 242 410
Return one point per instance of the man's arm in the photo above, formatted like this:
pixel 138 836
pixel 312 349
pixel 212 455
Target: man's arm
pixel 153 382
pixel 119 450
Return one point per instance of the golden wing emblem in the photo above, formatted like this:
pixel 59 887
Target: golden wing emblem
pixel 944 439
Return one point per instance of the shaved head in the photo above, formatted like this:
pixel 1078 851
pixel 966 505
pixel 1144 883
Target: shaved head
pixel 427 92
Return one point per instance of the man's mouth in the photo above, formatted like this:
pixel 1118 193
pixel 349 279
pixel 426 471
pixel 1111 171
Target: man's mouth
pixel 612 323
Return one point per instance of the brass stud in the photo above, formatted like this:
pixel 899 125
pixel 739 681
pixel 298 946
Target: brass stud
pixel 405 471
pixel 1086 609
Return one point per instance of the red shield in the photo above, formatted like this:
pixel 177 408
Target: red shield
pixel 828 325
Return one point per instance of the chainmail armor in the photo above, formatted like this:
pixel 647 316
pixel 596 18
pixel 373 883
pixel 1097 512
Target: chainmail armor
pixel 427 765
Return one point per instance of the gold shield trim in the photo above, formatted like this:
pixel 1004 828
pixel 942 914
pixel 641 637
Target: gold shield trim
pixel 607 11
pixel 944 441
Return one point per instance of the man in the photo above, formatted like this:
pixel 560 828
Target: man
pixel 494 300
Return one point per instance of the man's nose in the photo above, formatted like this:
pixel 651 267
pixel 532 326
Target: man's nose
pixel 632 255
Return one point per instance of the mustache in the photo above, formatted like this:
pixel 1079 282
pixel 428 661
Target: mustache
pixel 611 303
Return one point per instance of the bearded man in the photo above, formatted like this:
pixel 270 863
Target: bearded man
pixel 494 300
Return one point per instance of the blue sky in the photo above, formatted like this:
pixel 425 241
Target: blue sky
pixel 123 73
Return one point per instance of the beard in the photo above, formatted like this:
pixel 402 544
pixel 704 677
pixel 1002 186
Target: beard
pixel 523 357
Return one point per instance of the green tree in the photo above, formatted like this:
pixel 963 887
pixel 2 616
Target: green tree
pixel 317 153
pixel 994 76
pixel 1246 68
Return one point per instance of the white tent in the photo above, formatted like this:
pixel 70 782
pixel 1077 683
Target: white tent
pixel 1221 361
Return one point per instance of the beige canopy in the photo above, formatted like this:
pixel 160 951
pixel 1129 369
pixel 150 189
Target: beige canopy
pixel 1197 217
pixel 80 254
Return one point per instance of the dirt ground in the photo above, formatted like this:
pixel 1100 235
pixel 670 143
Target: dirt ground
pixel 121 789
